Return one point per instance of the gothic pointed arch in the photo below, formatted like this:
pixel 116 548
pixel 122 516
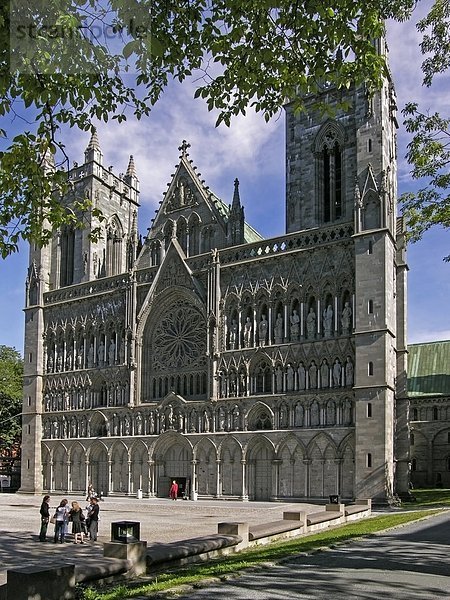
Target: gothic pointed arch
pixel 329 150
pixel 66 256
pixel 260 417
pixel 114 249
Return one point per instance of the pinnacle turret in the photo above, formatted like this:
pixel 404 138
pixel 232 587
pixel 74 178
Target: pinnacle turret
pixel 131 169
pixel 93 150
pixel 236 198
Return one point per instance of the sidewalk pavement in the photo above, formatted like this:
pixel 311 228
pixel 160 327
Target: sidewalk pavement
pixel 162 520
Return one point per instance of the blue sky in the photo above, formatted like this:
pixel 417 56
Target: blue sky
pixel 253 151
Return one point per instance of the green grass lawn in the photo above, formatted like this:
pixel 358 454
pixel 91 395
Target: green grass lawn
pixel 427 498
pixel 254 557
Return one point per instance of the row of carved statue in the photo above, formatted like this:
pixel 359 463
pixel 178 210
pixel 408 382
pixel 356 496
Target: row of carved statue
pixel 86 398
pixel 312 413
pixel 291 378
pixel 99 351
pixel 247 333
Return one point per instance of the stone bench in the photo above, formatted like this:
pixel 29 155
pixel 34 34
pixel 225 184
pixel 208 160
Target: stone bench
pixel 102 569
pixel 322 517
pixel 353 509
pixel 180 552
pixel 273 528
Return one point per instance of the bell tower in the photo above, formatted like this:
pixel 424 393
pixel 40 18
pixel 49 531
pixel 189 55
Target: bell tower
pixel 342 170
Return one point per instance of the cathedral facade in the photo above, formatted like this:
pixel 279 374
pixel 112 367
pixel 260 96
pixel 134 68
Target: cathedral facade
pixel 242 367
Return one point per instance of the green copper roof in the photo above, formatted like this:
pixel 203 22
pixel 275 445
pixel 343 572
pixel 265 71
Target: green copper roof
pixel 429 369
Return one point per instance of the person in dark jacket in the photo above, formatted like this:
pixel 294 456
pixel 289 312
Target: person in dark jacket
pixel 93 519
pixel 45 518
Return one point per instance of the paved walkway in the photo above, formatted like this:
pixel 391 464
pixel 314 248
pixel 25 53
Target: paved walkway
pixel 161 521
pixel 411 562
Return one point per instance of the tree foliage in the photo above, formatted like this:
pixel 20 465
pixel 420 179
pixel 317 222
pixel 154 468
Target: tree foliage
pixel 11 385
pixel 71 62
pixel 429 155
pixel 428 152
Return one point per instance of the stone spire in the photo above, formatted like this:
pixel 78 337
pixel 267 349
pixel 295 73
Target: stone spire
pixel 94 144
pixel 131 170
pixel 93 151
pixel 236 220
pixel 236 199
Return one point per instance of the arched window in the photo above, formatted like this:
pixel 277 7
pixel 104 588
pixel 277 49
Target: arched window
pixel 435 414
pixel 182 234
pixel 328 148
pixel 114 236
pixel 67 245
pixel 414 464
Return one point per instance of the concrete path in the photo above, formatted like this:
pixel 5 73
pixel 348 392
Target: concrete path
pixel 411 562
pixel 161 521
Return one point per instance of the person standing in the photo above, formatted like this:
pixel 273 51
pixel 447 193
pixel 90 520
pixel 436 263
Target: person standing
pixel 93 519
pixel 173 492
pixel 45 518
pixel 61 519
pixel 76 516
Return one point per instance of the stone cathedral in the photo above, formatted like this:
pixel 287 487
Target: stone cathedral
pixel 245 368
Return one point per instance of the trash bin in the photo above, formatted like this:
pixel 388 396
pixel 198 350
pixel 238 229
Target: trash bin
pixel 334 499
pixel 139 494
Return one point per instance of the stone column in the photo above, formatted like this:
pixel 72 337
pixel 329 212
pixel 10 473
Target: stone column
pixel 244 495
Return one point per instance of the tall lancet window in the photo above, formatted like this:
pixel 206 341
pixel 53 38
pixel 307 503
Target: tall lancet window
pixel 114 237
pixel 67 248
pixel 329 144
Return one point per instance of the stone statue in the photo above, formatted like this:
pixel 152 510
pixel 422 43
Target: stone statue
pixel 349 371
pixel 101 354
pixel 91 356
pixel 311 324
pixel 346 318
pixel 205 421
pixel 298 415
pixel 283 416
pixel 242 383
pixel 278 329
pixel 232 383
pixel 112 352
pixel 324 374
pixel 262 330
pixel 233 334
pixel 295 327
pixel 337 373
pixel 279 379
pixel 236 416
pixel 151 423
pixel 138 424
pixel 122 351
pixel 289 378
pixel 247 332
pixel 301 376
pixel 313 375
pixel 327 317
pixel 222 417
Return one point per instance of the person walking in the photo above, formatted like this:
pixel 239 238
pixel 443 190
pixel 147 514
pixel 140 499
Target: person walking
pixel 61 519
pixel 173 492
pixel 45 518
pixel 93 519
pixel 76 516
